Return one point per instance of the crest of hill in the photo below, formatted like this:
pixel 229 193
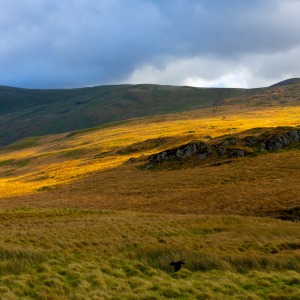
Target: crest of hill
pixel 281 94
pixel 290 81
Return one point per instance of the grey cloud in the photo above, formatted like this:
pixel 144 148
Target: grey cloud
pixel 70 43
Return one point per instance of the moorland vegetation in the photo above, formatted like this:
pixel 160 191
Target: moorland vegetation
pixel 83 216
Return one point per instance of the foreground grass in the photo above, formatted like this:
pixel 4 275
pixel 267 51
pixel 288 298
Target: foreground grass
pixel 91 254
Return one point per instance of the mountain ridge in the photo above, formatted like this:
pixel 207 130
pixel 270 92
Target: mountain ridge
pixel 285 82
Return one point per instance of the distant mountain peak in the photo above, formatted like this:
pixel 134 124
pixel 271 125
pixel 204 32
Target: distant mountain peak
pixel 287 82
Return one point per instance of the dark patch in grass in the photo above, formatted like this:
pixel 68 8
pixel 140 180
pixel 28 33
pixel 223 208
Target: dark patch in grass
pixel 6 162
pixel 47 188
pixel 22 163
pixel 17 261
pixel 14 163
pixel 74 153
pixel 102 154
pixel 292 214
pixel 146 145
pixel 25 143
pixel 87 130
pixel 220 163
pixel 289 246
pixel 208 230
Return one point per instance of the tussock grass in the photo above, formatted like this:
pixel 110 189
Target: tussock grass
pixel 203 261
pixel 92 254
pixel 15 261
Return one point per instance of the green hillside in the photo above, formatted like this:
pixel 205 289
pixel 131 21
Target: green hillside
pixel 25 112
pixel 28 112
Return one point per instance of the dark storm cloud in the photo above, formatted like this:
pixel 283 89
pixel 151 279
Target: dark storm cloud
pixel 70 43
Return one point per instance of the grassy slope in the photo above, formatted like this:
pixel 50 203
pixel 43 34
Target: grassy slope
pixel 90 254
pixel 277 95
pixel 54 252
pixel 89 167
pixel 25 112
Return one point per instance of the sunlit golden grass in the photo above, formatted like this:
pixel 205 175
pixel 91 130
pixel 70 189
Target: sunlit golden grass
pixel 92 254
pixel 61 159
pixel 260 185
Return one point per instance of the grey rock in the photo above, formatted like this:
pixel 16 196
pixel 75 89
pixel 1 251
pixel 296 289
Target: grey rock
pixel 294 135
pixel 281 141
pixel 221 151
pixel 229 141
pixel 250 141
pixel 236 153
pixel 263 146
pixel 182 152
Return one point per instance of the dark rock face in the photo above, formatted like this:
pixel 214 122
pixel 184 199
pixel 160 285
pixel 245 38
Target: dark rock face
pixel 231 147
pixel 250 141
pixel 229 141
pixel 279 142
pixel 182 152
pixel 236 153
pixel 294 135
pixel 221 151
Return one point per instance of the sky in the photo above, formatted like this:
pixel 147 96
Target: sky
pixel 205 43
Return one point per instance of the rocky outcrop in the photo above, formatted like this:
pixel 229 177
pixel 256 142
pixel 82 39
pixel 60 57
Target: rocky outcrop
pixel 197 148
pixel 250 141
pixel 278 142
pixel 232 147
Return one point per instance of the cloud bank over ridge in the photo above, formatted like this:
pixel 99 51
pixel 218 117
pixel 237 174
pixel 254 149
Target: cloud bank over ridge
pixel 75 43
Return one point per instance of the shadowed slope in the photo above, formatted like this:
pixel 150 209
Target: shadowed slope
pixel 25 112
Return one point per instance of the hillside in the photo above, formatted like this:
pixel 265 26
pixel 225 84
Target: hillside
pixel 25 112
pixel 285 93
pixel 100 213
pixel 74 162
pixel 104 167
